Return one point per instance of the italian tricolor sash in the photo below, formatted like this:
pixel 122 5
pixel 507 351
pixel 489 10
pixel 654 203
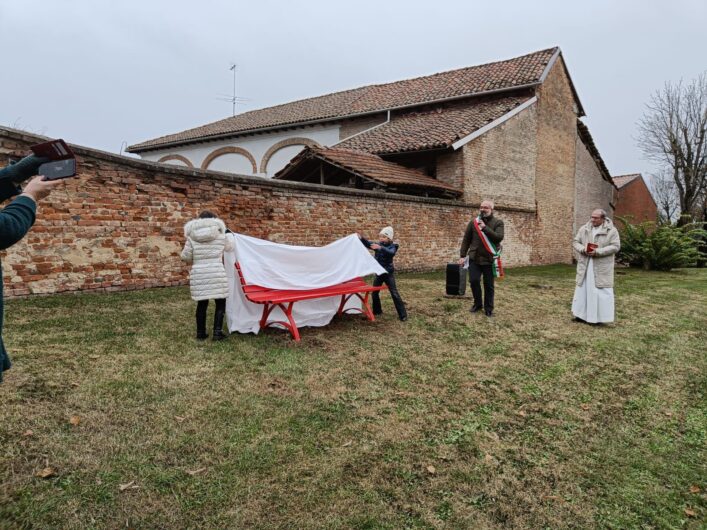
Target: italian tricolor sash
pixel 491 249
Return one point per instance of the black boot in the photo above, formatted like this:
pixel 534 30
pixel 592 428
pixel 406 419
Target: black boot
pixel 218 321
pixel 201 320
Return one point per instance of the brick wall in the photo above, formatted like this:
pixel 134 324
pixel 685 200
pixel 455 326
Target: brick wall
pixel 591 190
pixel 555 169
pixel 450 169
pixel 500 165
pixel 118 225
pixel 635 200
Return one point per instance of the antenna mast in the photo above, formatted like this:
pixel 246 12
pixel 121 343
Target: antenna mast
pixel 233 68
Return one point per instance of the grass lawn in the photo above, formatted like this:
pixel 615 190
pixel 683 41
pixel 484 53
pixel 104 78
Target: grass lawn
pixel 449 420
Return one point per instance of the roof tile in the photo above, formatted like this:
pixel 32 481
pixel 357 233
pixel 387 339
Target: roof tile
pixel 519 71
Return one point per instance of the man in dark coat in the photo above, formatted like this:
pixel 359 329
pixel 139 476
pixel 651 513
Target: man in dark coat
pixel 15 221
pixel 480 260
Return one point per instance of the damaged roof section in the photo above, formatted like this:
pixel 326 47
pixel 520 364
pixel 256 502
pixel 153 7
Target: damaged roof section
pixel 355 169
pixel 586 137
pixel 434 128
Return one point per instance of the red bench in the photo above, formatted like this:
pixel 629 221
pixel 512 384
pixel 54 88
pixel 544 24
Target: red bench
pixel 285 299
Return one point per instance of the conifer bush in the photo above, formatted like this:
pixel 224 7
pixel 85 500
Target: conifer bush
pixel 661 247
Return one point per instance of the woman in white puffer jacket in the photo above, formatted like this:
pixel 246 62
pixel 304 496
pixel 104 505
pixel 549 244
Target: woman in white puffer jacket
pixel 206 242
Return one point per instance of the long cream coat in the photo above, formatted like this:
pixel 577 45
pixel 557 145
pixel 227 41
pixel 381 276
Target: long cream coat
pixel 206 242
pixel 609 244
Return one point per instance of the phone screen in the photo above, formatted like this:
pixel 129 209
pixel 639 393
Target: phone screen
pixel 59 169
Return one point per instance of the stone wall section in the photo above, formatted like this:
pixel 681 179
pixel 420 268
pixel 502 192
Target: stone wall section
pixel 118 225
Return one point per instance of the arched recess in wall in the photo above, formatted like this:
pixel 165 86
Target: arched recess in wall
pixel 281 145
pixel 230 150
pixel 177 158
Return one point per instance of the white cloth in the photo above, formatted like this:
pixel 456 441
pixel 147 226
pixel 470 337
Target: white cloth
pixel 591 303
pixel 206 242
pixel 279 266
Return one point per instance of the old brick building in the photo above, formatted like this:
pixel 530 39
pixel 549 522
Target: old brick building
pixel 417 154
pixel 633 199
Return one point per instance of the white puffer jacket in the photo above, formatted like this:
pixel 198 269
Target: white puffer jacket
pixel 206 241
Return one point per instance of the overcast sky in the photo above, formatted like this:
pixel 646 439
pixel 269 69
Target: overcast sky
pixel 99 73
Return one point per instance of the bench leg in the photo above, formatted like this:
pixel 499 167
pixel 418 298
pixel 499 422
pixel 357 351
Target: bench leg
pixel 367 308
pixel 290 325
pixel 267 309
pixel 293 325
pixel 344 299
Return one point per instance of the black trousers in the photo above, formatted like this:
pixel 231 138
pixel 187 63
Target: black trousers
pixel 202 306
pixel 389 280
pixel 475 273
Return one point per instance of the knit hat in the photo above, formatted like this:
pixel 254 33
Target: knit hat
pixel 387 232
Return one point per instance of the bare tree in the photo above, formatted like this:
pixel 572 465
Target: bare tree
pixel 673 133
pixel 665 194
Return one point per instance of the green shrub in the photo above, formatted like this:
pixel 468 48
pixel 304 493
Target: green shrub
pixel 661 247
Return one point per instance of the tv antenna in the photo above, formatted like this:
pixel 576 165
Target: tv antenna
pixel 233 99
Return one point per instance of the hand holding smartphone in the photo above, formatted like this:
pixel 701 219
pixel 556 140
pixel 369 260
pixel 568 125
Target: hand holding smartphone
pixel 62 163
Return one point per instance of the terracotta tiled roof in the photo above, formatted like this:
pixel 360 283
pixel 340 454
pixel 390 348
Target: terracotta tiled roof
pixel 621 180
pixel 368 166
pixel 520 71
pixel 433 128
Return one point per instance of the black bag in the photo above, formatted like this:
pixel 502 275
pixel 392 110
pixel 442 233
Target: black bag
pixel 456 279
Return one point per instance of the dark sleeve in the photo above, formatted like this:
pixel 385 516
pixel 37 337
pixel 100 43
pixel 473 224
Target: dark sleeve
pixel 468 235
pixel 389 249
pixel 366 242
pixel 496 236
pixel 15 221
pixel 8 189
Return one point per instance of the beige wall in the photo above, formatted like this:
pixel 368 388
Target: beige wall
pixel 591 190
pixel 500 164
pixel 555 170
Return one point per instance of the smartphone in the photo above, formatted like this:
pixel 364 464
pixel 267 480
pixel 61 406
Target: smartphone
pixel 59 169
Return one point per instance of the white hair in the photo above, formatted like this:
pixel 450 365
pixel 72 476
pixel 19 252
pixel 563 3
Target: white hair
pixel 490 202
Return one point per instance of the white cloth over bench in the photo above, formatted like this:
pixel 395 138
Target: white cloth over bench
pixel 291 267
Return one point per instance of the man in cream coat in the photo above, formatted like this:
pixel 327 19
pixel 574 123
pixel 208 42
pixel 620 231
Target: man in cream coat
pixel 594 294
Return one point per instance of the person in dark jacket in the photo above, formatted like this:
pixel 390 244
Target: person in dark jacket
pixel 15 221
pixel 480 260
pixel 385 251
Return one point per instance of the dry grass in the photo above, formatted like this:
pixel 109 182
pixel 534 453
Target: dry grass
pixel 447 421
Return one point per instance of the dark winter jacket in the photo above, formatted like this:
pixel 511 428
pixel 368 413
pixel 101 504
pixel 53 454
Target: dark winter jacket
pixel 15 221
pixel 474 247
pixel 384 255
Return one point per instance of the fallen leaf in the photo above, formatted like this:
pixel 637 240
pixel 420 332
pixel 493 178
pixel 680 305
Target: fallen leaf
pixel 94 357
pixel 668 413
pixel 689 512
pixel 45 473
pixel 129 486
pixel 180 418
pixel 584 406
pixel 694 488
pixel 522 413
pixel 347 443
pixel 431 470
pixel 28 432
pixel 74 383
pixel 74 420
pixel 196 471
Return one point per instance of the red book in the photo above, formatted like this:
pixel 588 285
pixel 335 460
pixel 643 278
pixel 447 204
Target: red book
pixel 591 247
